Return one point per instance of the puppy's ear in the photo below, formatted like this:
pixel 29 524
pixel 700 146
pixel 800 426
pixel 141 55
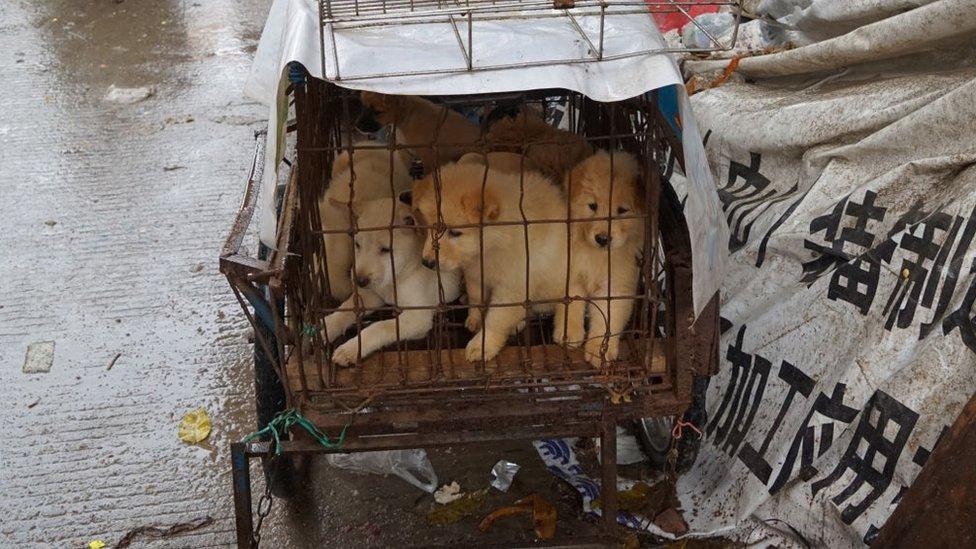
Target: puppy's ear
pixel 477 210
pixel 340 209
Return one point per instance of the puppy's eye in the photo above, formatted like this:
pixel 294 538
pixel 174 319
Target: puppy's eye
pixel 622 210
pixel 592 206
pixel 384 250
pixel 453 233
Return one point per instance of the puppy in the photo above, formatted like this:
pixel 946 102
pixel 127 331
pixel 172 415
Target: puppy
pixel 464 202
pixel 501 161
pixel 376 176
pixel 419 125
pixel 378 255
pixel 603 245
pixel 550 150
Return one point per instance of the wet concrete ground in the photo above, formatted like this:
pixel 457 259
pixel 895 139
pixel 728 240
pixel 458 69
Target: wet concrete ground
pixel 111 219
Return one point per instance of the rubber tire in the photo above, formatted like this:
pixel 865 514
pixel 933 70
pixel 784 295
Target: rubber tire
pixel 654 436
pixel 656 442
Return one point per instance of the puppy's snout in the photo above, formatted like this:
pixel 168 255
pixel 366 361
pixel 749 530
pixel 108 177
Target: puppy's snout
pixel 362 281
pixel 602 239
pixel 429 263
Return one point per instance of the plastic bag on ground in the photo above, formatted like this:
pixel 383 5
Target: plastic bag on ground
pixel 628 449
pixel 412 465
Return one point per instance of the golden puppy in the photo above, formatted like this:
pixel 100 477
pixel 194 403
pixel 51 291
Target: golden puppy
pixel 464 202
pixel 550 150
pixel 389 272
pixel 420 124
pixel 502 161
pixel 370 174
pixel 604 252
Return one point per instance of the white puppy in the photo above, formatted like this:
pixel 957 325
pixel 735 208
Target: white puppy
pixel 380 250
pixel 371 174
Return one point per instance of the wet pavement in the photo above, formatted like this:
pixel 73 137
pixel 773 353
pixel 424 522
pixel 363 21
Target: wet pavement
pixel 111 219
pixel 124 143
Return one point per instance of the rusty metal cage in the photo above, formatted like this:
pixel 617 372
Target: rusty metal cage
pixel 413 379
pixel 342 22
pixel 536 386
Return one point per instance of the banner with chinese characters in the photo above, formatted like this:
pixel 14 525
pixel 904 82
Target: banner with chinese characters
pixel 848 322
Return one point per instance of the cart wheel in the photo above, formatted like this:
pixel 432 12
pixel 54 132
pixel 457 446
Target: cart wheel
pixel 654 433
pixel 285 474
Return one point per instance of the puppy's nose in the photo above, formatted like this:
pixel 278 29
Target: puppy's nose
pixel 362 281
pixel 602 239
pixel 429 263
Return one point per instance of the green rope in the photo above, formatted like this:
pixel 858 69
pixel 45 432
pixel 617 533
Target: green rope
pixel 309 330
pixel 283 422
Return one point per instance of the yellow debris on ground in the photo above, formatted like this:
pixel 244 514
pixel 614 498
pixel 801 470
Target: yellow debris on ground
pixel 195 426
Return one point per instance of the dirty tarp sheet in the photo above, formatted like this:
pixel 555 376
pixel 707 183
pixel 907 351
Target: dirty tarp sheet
pixel 846 173
pixel 292 34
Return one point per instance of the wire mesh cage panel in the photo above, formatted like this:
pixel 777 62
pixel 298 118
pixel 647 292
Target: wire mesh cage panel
pixel 482 207
pixel 580 31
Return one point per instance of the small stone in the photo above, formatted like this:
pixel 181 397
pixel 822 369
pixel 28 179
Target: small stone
pixel 50 222
pixel 40 357
pixel 196 268
pixel 127 95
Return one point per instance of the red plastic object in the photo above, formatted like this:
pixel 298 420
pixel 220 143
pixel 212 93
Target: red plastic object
pixel 667 19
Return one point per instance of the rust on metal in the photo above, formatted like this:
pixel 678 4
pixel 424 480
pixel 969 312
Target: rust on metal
pixel 939 509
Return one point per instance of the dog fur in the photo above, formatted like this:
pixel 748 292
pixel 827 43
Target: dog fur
pixel 502 161
pixel 420 123
pixel 373 178
pixel 550 150
pixel 604 253
pixel 380 252
pixel 464 201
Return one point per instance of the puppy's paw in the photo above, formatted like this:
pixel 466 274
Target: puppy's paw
pixel 346 354
pixel 473 322
pixel 475 352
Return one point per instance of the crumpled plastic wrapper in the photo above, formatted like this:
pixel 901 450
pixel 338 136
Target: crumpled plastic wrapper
pixel 195 426
pixel 502 474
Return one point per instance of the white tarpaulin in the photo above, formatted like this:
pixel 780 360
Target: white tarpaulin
pixel 292 34
pixel 846 173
